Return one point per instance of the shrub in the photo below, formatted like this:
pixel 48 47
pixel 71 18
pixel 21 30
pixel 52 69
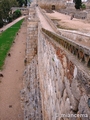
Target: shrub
pixel 10 18
pixel 83 6
pixel 16 14
pixel 78 4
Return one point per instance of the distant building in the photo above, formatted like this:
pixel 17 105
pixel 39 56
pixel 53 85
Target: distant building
pixel 51 3
pixel 69 1
pixel 84 0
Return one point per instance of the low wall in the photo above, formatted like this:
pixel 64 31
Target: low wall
pixel 81 52
pixel 64 81
pixel 88 16
pixel 49 21
pixel 30 95
pixel 78 37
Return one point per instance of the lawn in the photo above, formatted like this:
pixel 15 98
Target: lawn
pixel 6 40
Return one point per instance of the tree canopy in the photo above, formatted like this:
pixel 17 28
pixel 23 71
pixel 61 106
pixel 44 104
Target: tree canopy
pixel 5 7
pixel 78 4
pixel 21 2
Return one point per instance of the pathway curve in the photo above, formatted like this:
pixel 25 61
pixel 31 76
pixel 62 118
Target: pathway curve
pixel 12 23
pixel 12 83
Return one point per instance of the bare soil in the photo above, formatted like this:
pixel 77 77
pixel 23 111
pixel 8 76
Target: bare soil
pixel 12 83
pixel 74 24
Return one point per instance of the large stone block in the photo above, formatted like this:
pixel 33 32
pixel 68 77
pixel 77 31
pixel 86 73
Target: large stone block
pixel 84 108
pixel 73 101
pixel 67 106
pixel 62 106
pixel 75 88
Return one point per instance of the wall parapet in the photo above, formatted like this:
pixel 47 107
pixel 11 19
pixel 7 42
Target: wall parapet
pixel 81 52
pixel 49 21
pixel 64 82
pixel 78 37
pixel 75 32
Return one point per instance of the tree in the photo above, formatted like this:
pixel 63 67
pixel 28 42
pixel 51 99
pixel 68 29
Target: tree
pixel 78 4
pixel 25 2
pixel 5 7
pixel 13 3
pixel 1 21
pixel 16 14
pixel 21 2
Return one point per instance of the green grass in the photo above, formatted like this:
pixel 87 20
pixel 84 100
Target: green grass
pixel 6 40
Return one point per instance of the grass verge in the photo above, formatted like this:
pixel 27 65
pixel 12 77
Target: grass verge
pixel 6 40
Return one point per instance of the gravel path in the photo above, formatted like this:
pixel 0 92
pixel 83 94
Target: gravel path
pixel 12 83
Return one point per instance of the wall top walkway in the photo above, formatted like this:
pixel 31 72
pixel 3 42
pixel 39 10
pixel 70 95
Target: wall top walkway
pixel 43 21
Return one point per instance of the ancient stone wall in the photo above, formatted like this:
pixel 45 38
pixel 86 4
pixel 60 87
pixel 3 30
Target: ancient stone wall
pixel 76 36
pixel 30 95
pixel 57 76
pixel 51 1
pixel 48 4
pixel 64 82
pixel 88 16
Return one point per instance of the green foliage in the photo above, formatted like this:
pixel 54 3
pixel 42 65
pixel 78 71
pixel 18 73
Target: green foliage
pixel 83 6
pixel 10 18
pixel 5 7
pixel 21 2
pixel 16 14
pixel 6 40
pixel 78 4
pixel 13 3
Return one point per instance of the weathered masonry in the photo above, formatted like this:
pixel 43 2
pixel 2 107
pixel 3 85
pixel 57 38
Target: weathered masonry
pixel 57 75
pixel 51 4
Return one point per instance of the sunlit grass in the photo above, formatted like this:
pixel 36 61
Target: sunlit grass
pixel 6 40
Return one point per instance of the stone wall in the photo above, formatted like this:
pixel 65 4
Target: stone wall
pixel 53 26
pixel 57 76
pixel 45 4
pixel 64 82
pixel 76 36
pixel 51 1
pixel 77 13
pixel 30 95
pixel 88 15
pixel 31 92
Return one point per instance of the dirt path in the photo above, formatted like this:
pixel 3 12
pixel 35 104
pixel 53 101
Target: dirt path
pixel 66 23
pixel 11 83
